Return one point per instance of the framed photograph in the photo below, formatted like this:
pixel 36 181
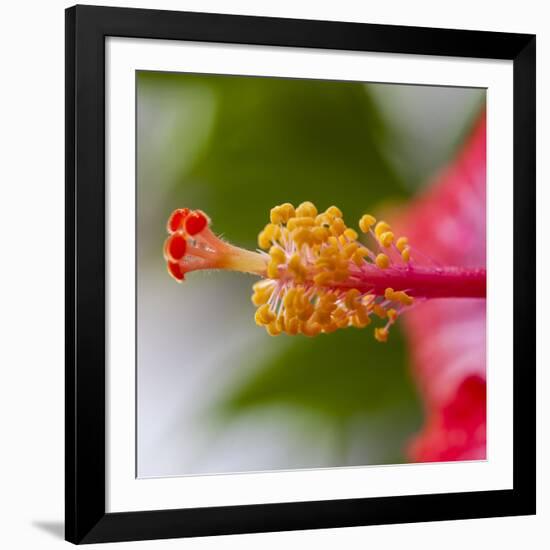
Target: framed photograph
pixel 300 274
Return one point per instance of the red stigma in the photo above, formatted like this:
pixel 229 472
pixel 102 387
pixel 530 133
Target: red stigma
pixel 177 246
pixel 176 219
pixel 175 270
pixel 195 222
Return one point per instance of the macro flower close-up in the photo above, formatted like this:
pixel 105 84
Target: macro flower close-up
pixel 317 276
pixel 331 309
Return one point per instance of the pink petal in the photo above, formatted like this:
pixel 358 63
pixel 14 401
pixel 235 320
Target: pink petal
pixel 447 337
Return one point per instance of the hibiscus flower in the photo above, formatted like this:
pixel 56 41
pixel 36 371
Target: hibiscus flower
pixel 318 275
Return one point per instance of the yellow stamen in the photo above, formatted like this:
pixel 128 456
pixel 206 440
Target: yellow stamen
pixel 320 234
pixel 382 261
pixel 307 209
pixel 273 269
pixel 277 254
pixel 337 227
pixel 403 298
pixel 366 222
pixel 386 239
pixel 264 316
pixel 359 255
pixel 262 292
pixel 310 255
pixel 312 264
pixel 282 213
pixel 300 221
pixel 351 234
pixel 399 296
pixel 401 243
pixel 334 212
pixel 270 234
pixel 350 249
pixel 351 298
pixel 273 329
pixel 380 311
pixel 323 278
pixel 381 227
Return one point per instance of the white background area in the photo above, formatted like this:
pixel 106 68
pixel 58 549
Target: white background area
pixel 124 491
pixel 31 300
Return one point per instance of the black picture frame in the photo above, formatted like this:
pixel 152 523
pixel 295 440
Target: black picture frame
pixel 85 516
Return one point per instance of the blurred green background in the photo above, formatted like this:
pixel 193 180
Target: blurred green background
pixel 215 393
